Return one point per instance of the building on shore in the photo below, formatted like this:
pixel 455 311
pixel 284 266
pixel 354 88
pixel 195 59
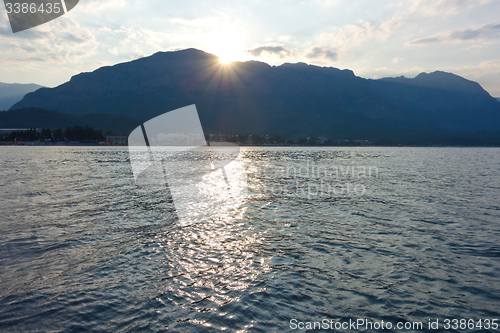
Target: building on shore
pixel 116 139
pixel 10 130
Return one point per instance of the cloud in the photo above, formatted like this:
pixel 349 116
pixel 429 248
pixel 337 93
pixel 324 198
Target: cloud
pixel 425 40
pixel 98 6
pixel 396 60
pixel 484 68
pixel 322 52
pixel 83 38
pixel 328 3
pixel 407 12
pixel 443 7
pixel 281 52
pixel 491 26
pixel 322 55
pixel 266 51
pixel 199 22
pixel 61 42
pixel 344 38
pixel 486 31
pixel 465 34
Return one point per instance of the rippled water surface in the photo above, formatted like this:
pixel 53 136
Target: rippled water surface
pixel 82 248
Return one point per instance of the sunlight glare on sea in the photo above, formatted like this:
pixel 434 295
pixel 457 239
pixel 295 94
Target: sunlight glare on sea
pixel 83 248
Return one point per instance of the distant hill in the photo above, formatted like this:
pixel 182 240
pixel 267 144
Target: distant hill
pixel 11 93
pixel 498 99
pixel 292 100
pixel 41 118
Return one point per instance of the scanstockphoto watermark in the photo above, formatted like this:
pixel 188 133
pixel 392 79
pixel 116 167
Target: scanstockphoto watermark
pixel 307 179
pixel 430 324
pixel 357 325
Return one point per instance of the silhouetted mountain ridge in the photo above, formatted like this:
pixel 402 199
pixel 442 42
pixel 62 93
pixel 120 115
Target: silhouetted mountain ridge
pixel 290 100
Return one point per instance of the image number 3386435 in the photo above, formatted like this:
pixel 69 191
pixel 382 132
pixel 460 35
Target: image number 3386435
pixel 26 14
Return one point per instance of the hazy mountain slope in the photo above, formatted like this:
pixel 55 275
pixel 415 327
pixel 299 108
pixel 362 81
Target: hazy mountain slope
pixel 291 99
pixel 41 118
pixel 11 93
pixel 447 100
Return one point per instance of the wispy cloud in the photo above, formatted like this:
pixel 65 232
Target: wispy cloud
pixel 328 3
pixel 443 7
pixel 486 31
pixel 280 51
pixel 322 52
pixel 98 6
pixel 266 51
pixel 352 35
pixel 198 22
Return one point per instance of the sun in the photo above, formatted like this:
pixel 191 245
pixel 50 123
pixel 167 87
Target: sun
pixel 229 53
pixel 228 48
pixel 225 59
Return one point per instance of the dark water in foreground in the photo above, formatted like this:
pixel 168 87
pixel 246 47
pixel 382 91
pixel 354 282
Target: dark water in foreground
pixel 83 249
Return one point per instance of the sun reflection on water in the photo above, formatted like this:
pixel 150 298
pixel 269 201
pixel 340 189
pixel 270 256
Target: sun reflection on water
pixel 208 265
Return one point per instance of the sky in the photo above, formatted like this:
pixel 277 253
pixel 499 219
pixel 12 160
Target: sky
pixel 373 38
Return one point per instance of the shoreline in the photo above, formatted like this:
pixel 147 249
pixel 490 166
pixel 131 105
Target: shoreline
pixel 30 144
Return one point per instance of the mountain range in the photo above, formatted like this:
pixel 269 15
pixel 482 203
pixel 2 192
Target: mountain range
pixel 291 100
pixel 11 93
